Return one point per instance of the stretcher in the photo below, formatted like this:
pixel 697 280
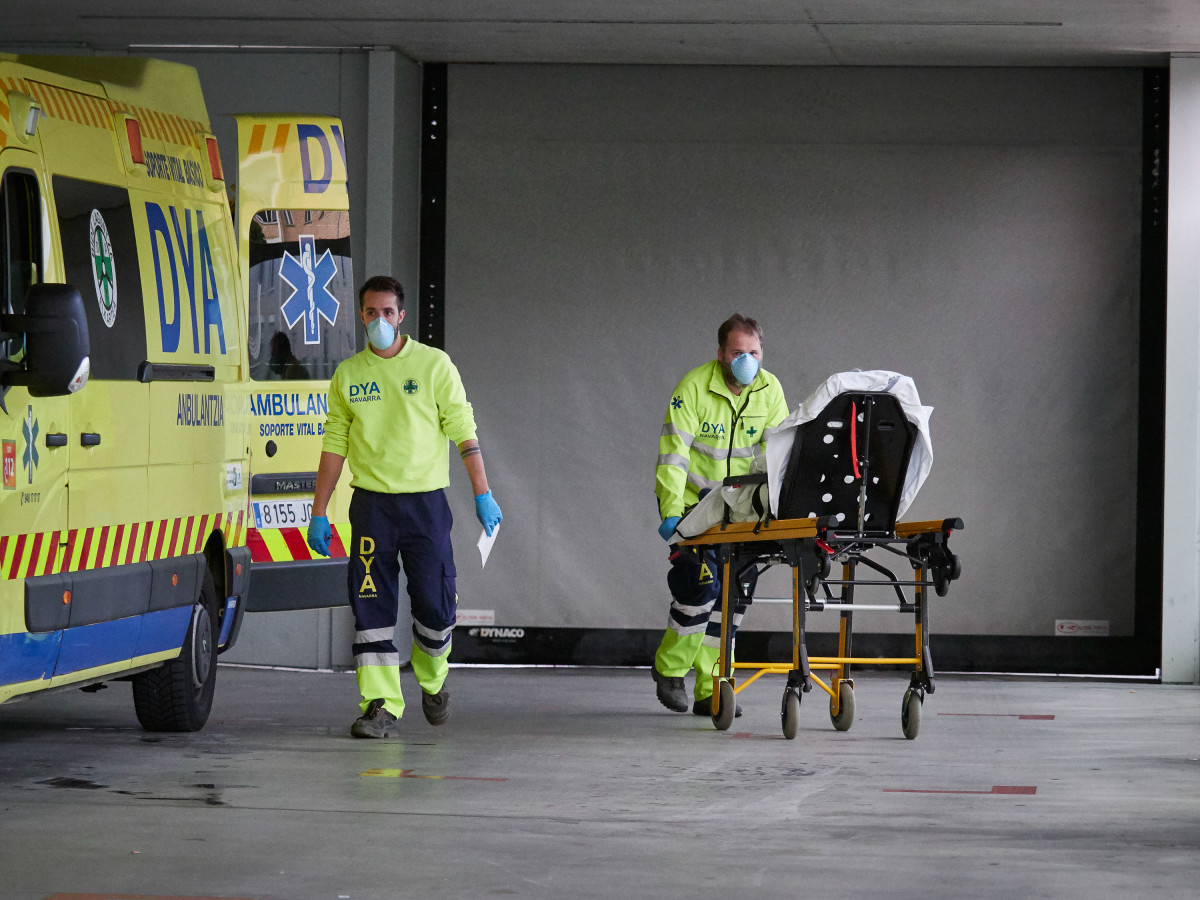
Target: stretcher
pixel 838 495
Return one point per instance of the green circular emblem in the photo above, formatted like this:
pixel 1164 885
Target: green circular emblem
pixel 104 270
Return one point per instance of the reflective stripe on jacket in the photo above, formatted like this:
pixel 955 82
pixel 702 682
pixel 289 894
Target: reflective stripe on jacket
pixel 710 433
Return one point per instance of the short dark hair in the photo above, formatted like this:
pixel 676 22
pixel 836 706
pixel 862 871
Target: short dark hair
pixel 738 322
pixel 382 284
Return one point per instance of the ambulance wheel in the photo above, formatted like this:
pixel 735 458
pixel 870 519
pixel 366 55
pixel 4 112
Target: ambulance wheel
pixel 724 717
pixel 178 696
pixel 910 713
pixel 845 714
pixel 790 712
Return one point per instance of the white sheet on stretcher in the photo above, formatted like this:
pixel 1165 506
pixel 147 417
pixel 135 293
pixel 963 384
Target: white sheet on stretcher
pixel 710 510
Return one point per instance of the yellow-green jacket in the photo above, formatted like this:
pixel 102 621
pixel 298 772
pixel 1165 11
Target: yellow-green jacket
pixel 391 418
pixel 710 433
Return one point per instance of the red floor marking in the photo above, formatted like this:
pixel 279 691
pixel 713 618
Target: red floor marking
pixel 742 734
pixel 1002 716
pixel 996 789
pixel 132 897
pixel 408 773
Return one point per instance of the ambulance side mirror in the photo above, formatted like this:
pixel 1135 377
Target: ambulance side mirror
pixel 57 350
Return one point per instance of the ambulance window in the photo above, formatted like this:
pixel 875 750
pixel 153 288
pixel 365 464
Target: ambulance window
pixel 20 239
pixel 303 307
pixel 100 257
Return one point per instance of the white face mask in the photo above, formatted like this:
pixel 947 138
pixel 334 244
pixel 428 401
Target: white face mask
pixel 380 333
pixel 744 368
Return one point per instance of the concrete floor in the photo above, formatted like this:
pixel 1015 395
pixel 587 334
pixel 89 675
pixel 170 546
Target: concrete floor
pixel 575 783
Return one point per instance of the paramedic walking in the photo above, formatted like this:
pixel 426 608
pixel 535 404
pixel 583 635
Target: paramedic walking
pixel 718 414
pixel 392 408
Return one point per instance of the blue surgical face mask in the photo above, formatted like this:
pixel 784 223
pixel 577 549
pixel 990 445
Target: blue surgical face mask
pixel 380 333
pixel 744 368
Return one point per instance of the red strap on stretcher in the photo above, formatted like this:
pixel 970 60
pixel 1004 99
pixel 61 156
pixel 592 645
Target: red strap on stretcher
pixel 854 439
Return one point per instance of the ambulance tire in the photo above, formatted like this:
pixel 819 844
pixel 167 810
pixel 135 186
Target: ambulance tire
pixel 178 696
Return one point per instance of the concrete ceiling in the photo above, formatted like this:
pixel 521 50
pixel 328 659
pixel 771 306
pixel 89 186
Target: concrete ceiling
pixel 721 32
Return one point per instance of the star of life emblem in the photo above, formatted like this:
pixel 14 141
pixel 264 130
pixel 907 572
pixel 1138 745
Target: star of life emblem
pixel 309 279
pixel 29 431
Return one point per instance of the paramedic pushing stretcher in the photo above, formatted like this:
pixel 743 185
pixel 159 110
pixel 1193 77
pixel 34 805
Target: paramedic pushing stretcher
pixel 717 415
pixel 392 408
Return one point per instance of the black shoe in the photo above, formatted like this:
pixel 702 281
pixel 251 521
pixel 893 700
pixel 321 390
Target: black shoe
pixel 376 722
pixel 704 708
pixel 436 707
pixel 671 693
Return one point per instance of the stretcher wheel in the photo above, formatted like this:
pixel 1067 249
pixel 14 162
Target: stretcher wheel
pixel 724 717
pixel 790 712
pixel 910 713
pixel 845 714
pixel 946 574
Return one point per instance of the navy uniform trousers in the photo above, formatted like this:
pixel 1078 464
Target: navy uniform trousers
pixel 388 530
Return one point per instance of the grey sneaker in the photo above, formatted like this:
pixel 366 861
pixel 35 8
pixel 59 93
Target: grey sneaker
pixel 704 708
pixel 670 690
pixel 436 706
pixel 376 722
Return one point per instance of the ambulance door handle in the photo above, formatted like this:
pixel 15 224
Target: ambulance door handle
pixel 89 439
pixel 56 439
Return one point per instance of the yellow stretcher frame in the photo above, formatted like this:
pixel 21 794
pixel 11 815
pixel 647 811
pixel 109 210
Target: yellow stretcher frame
pixel 808 546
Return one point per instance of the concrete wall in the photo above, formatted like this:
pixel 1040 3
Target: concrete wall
pixel 1181 535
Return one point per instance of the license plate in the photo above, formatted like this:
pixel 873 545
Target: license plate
pixel 282 513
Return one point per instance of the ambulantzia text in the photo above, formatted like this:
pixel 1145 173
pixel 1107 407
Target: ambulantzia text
pixel 200 410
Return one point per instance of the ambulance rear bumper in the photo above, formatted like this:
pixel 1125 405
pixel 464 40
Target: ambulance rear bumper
pixel 298 584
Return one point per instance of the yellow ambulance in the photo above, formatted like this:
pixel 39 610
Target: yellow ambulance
pixel 131 347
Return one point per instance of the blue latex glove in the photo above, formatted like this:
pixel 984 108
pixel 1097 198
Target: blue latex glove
pixel 487 512
pixel 319 535
pixel 667 528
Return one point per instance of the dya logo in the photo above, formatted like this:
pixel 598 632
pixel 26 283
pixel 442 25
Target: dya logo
pixel 104 269
pixel 361 390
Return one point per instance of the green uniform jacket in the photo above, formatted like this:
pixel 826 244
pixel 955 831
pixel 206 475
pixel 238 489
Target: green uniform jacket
pixel 391 418
pixel 710 433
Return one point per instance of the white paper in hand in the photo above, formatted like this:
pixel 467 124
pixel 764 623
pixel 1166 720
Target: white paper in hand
pixel 485 544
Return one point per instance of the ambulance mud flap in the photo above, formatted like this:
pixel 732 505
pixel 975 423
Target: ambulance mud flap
pixel 237 589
